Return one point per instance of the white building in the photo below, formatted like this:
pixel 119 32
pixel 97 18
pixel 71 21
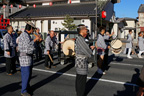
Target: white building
pixel 123 25
pixel 131 24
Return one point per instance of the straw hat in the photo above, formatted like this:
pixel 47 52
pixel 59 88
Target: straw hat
pixel 31 24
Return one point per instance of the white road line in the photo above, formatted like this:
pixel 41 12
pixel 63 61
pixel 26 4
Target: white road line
pixel 126 64
pixel 73 75
pixel 97 79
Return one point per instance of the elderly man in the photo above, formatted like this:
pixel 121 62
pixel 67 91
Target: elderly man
pixel 26 49
pixel 9 50
pixel 38 45
pixel 83 52
pixel 49 49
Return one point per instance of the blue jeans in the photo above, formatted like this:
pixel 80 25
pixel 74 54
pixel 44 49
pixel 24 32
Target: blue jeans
pixel 26 73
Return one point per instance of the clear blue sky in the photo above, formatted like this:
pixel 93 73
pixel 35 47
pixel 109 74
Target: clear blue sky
pixel 128 8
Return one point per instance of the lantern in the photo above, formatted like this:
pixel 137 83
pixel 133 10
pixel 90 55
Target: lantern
pixel 4 6
pixel 20 6
pixel 103 14
pixel 50 3
pixel 11 6
pixel 34 5
pixel 69 1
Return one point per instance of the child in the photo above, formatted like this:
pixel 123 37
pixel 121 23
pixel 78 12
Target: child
pixel 129 44
pixel 141 44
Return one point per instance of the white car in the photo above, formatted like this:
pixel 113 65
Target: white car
pixel 2 33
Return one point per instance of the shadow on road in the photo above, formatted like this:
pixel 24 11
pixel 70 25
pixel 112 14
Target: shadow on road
pixel 110 59
pixel 91 83
pixel 11 87
pixel 114 58
pixel 52 77
pixel 130 90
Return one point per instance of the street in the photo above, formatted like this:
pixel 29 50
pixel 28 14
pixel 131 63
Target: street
pixel 109 33
pixel 121 76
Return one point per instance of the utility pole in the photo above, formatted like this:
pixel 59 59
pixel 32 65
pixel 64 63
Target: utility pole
pixel 95 35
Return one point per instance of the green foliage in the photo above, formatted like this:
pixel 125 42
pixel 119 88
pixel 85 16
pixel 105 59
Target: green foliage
pixel 68 23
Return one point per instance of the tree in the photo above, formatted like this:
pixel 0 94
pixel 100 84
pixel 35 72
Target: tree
pixel 68 23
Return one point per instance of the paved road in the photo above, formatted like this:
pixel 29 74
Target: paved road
pixel 121 76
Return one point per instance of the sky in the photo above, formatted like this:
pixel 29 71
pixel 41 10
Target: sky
pixel 128 8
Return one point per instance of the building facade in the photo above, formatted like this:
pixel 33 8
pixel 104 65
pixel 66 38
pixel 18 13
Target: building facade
pixel 47 17
pixel 141 17
pixel 131 25
pixel 123 25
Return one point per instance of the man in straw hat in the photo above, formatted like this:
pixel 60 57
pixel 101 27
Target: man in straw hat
pixel 26 49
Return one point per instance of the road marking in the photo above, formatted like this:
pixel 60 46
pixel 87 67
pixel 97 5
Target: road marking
pixel 73 75
pixel 97 79
pixel 126 64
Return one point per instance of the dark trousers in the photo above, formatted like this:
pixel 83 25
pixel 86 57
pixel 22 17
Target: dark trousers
pixel 80 84
pixel 16 56
pixel 106 57
pixel 26 73
pixel 38 53
pixel 47 60
pixel 10 65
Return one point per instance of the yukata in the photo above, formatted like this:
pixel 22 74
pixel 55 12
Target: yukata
pixel 26 49
pixel 38 47
pixel 83 52
pixel 49 46
pixel 101 45
pixel 129 44
pixel 141 45
pixel 9 46
pixel 101 48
